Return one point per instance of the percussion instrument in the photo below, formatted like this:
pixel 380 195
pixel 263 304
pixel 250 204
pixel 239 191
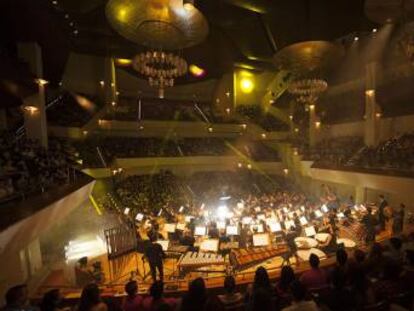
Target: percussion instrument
pixel 305 242
pixel 244 258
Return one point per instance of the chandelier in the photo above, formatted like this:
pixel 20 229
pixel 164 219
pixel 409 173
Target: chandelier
pixel 160 68
pixel 308 90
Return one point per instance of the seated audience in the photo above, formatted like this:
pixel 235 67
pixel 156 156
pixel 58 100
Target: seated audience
pixel 408 270
pixel 156 298
pixel 230 296
pixel 315 277
pixel 90 299
pixel 261 301
pixel 132 301
pixel 299 302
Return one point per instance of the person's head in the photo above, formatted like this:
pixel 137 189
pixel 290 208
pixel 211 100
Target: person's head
pixel 298 291
pixel 229 284
pixel 131 288
pixel 197 290
pixel 51 300
pixel 90 297
pixel 341 257
pixel 396 243
pixel 261 278
pixel 287 276
pixel 17 295
pixel 381 197
pixel 314 261
pixel 359 255
pixel 157 290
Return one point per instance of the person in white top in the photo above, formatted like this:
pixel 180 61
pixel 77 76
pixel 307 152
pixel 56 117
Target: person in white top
pixel 299 299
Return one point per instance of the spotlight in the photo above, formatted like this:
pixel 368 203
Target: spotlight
pixel 356 38
pixel 102 83
pixel 75 32
pixel 71 24
pixel 54 2
pixel 374 30
pixel 66 16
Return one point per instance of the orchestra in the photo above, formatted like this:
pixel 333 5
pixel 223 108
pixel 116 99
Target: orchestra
pixel 286 224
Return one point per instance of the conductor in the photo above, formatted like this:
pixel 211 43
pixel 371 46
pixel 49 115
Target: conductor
pixel 155 255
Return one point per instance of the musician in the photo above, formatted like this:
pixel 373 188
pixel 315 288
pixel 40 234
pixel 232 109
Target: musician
pixel 155 255
pixel 381 207
pixel 153 232
pixel 188 239
pixel 290 237
pixel 213 232
pixel 369 222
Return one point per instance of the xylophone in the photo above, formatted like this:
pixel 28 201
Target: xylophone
pixel 191 261
pixel 244 258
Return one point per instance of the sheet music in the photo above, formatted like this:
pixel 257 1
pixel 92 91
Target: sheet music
pixel 262 239
pixel 200 231
pixel 209 245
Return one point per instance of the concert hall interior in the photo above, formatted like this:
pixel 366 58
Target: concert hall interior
pixel 200 155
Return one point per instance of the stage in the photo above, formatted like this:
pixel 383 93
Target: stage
pixel 132 266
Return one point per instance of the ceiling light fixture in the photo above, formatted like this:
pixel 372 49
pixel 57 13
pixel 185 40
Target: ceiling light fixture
pixel 356 38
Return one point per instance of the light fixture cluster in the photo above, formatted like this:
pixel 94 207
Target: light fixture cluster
pixel 308 90
pixel 160 68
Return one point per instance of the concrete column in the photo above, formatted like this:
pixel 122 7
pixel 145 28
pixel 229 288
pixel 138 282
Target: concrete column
pixel 313 127
pixel 35 122
pixel 35 106
pixel 110 87
pixel 360 195
pixel 371 124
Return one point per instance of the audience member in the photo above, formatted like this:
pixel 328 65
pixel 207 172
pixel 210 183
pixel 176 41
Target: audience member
pixel 52 301
pixel 287 276
pixel 339 298
pixel 132 301
pixel 156 298
pixel 315 277
pixel 196 299
pixel 230 296
pixel 90 299
pixel 17 299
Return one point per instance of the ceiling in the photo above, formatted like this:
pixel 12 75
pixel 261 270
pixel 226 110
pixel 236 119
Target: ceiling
pixel 245 32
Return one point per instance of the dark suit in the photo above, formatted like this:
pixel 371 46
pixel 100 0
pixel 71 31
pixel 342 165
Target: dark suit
pixel 155 255
pixel 381 215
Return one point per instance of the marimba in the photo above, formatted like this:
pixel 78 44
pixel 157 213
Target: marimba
pixel 244 258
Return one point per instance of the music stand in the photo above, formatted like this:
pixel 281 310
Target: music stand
pixel 261 239
pixel 209 245
pixel 200 231
pixel 232 230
